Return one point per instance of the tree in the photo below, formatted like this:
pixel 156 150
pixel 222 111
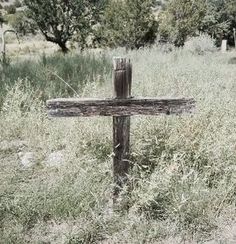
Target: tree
pixel 17 4
pixel 220 19
pixel 231 15
pixel 11 9
pixel 59 20
pixel 128 23
pixel 181 19
pixel 216 22
pixel 231 11
pixel 22 24
pixel 87 37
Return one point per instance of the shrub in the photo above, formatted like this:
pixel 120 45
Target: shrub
pixel 181 19
pixel 200 44
pixel 22 24
pixel 17 4
pixel 11 9
pixel 137 18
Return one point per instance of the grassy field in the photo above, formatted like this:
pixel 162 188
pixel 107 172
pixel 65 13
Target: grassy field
pixel 57 75
pixel 183 174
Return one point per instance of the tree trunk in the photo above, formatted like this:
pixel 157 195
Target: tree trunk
pixel 63 47
pixel 58 41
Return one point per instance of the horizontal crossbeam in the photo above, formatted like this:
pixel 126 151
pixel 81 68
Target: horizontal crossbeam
pixel 71 107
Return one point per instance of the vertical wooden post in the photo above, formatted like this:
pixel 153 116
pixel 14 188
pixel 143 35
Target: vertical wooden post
pixel 122 76
pixel 234 30
pixel 4 60
pixel 3 51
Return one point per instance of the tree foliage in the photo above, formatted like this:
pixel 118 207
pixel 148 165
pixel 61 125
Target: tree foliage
pixel 17 3
pixel 231 15
pixel 59 20
pixel 22 24
pixel 231 10
pixel 220 19
pixel 181 19
pixel 11 9
pixel 128 23
pixel 215 23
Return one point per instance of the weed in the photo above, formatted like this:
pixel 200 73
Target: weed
pixel 183 174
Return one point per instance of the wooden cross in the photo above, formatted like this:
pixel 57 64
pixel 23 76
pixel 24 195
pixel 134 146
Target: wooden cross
pixel 121 107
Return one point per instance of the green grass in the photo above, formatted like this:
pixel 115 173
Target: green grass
pixel 50 76
pixel 183 174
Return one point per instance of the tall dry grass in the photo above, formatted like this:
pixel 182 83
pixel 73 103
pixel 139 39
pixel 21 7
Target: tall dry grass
pixel 183 173
pixel 49 76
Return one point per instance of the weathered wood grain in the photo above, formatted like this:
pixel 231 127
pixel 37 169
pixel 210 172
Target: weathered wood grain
pixel 122 75
pixel 121 107
pixel 118 107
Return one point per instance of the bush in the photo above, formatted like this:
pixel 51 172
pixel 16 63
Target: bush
pixel 181 19
pixel 11 9
pixel 17 4
pixel 200 44
pixel 22 24
pixel 137 18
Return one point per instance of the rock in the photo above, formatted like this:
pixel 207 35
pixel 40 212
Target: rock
pixel 224 46
pixel 55 159
pixel 27 159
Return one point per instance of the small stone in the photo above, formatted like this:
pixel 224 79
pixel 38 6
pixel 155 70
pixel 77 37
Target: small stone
pixel 224 46
pixel 55 159
pixel 27 159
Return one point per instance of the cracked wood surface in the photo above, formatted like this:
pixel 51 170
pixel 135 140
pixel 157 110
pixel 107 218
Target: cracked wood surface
pixel 118 107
